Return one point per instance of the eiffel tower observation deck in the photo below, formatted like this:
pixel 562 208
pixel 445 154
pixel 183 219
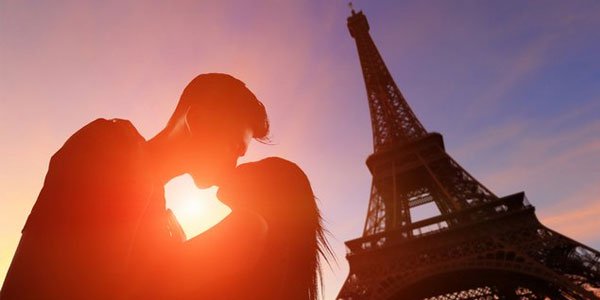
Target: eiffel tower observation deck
pixel 474 244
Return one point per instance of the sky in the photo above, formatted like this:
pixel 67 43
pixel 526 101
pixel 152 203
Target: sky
pixel 514 87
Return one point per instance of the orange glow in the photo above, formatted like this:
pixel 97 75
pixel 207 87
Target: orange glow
pixel 196 210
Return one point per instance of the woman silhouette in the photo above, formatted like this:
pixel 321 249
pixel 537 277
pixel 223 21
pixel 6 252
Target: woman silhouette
pixel 269 247
pixel 279 191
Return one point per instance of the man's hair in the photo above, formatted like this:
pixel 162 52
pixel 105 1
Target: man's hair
pixel 223 94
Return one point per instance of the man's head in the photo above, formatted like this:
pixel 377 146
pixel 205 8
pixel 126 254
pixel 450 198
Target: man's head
pixel 214 121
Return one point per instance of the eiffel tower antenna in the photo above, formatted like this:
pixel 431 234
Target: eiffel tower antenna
pixel 471 244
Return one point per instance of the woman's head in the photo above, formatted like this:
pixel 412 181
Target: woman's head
pixel 280 191
pixel 274 187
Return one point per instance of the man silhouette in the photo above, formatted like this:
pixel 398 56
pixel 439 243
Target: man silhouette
pixel 100 217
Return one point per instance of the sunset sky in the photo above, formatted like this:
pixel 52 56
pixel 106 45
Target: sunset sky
pixel 514 87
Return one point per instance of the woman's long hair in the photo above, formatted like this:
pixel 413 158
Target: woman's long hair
pixel 280 191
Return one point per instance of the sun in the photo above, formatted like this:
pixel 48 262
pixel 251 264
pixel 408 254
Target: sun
pixel 196 210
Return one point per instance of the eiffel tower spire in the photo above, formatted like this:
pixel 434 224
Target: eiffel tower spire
pixel 392 119
pixel 433 231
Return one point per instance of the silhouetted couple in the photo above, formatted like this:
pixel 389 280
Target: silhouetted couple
pixel 100 229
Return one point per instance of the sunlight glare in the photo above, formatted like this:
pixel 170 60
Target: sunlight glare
pixel 196 210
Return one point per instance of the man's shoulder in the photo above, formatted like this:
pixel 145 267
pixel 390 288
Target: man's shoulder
pixel 102 141
pixel 103 133
pixel 108 128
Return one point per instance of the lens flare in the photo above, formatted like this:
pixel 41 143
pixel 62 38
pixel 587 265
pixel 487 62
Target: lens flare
pixel 196 210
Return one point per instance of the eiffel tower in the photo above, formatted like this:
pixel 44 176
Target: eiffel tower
pixel 473 244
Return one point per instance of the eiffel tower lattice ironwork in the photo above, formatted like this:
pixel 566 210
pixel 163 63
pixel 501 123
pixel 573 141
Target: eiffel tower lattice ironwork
pixel 472 244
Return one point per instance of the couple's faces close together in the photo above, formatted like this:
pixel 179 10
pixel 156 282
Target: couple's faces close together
pixel 213 143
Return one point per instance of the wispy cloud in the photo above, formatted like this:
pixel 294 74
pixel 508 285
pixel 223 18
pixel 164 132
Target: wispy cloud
pixel 535 157
pixel 557 163
pixel 580 221
pixel 514 70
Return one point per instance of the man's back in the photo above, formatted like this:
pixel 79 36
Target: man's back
pixel 78 238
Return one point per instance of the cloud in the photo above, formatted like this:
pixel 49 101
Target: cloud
pixel 580 221
pixel 525 149
pixel 536 156
pixel 513 71
pixel 492 138
pixel 556 161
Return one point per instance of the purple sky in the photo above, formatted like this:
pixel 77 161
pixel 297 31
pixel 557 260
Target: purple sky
pixel 514 87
